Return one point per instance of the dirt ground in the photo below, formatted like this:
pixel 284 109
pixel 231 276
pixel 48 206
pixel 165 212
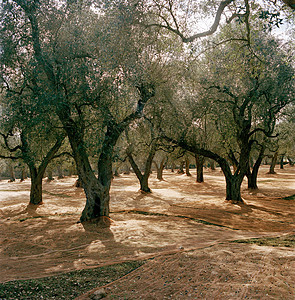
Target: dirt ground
pixel 176 225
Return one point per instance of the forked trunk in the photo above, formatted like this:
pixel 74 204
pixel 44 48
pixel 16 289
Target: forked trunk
pixel 233 188
pixel 143 178
pixel 97 200
pixel 144 184
pixel 252 176
pixel 160 168
pixel 233 183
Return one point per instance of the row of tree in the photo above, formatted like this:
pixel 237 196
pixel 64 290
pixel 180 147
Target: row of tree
pixel 101 81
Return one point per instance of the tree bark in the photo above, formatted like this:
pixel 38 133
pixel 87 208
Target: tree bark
pixel 180 170
pixel 199 165
pixel 187 163
pixel 282 162
pixel 273 163
pixel 212 164
pixel 36 186
pixel 160 168
pixel 252 176
pixel 23 173
pixel 233 188
pixel 11 172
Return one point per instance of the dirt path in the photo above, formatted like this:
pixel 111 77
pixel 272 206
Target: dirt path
pixel 47 240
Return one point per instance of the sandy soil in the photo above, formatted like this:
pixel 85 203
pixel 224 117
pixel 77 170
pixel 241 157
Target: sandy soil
pixel 191 259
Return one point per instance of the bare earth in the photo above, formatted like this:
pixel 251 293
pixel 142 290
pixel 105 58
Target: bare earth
pixel 190 259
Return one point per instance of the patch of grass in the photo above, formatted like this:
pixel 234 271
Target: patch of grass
pixel 65 286
pixel 286 241
pixel 289 197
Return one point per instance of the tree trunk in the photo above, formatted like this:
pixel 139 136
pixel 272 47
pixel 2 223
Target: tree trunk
pixel 143 178
pixel 11 172
pixel 187 163
pixel 60 172
pixel 116 172
pixel 233 182
pixel 160 168
pixel 212 164
pixel 273 163
pixel 36 186
pixel 49 175
pixel 172 167
pixel 233 188
pixel 199 164
pixel 252 176
pixel 282 162
pixel 181 171
pixel 23 173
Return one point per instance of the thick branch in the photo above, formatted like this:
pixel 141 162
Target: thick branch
pixel 193 37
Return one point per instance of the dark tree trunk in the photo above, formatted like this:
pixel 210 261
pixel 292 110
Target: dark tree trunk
pixel 252 176
pixel 78 183
pixel 172 167
pixel 273 163
pixel 199 164
pixel 187 163
pixel 233 188
pixel 36 186
pixel 282 162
